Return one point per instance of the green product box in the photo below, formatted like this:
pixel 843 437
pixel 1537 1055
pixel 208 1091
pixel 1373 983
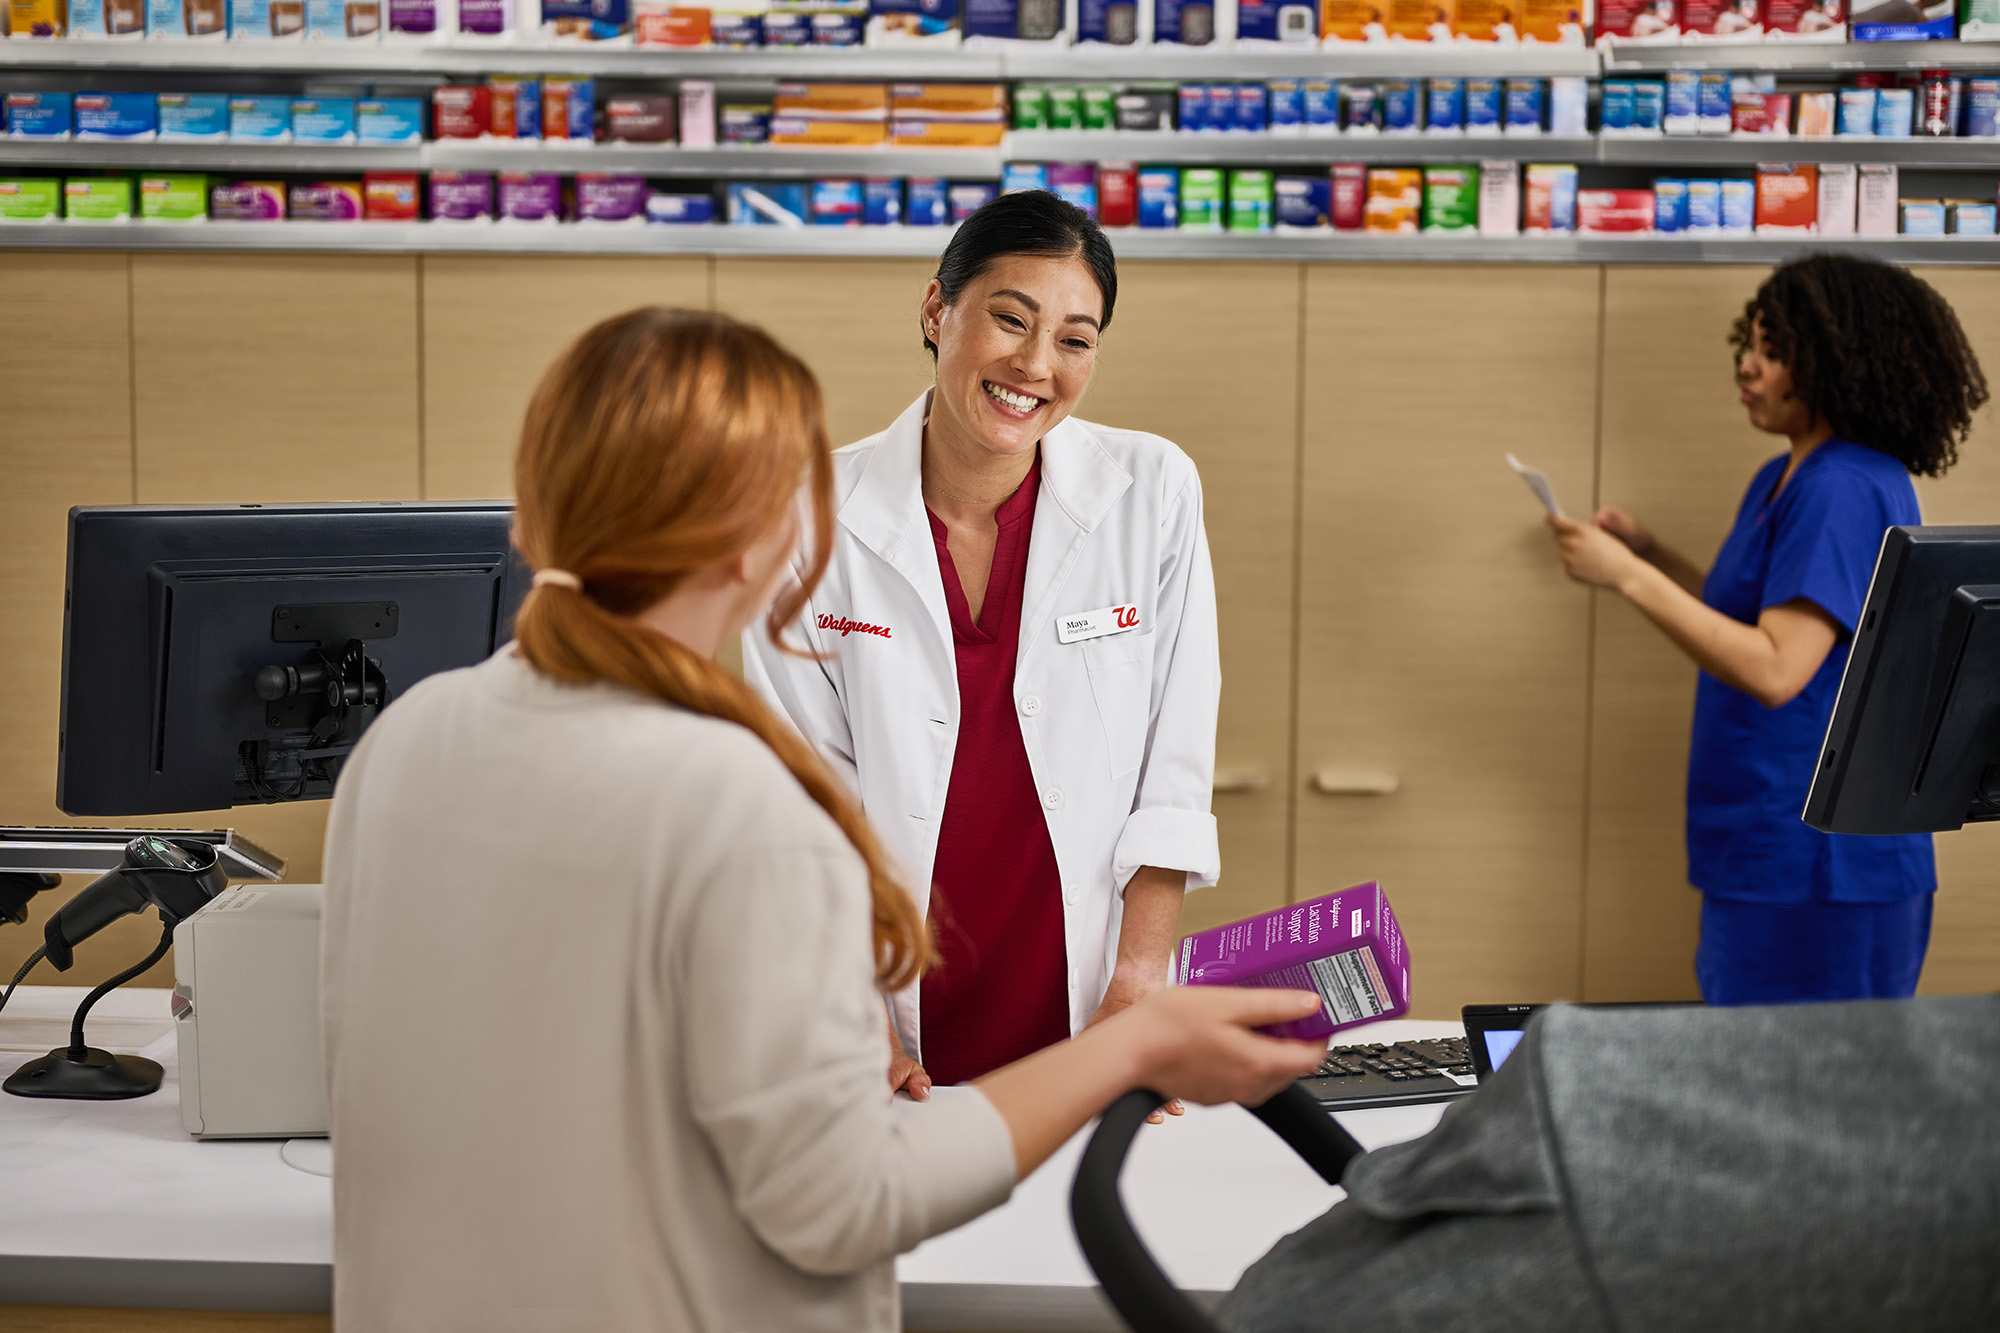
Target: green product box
pixel 1250 200
pixel 1978 21
pixel 1201 199
pixel 1451 199
pixel 1065 108
pixel 97 199
pixel 30 199
pixel 1031 107
pixel 173 198
pixel 1099 109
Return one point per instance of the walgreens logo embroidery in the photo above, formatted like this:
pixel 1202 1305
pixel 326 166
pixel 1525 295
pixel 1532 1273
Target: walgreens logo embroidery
pixel 845 627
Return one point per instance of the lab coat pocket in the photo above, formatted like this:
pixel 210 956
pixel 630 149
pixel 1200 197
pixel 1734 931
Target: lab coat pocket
pixel 1121 681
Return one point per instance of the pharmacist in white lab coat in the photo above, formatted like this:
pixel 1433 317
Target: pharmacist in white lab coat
pixel 1018 666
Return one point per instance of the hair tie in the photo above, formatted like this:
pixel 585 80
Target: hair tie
pixel 561 578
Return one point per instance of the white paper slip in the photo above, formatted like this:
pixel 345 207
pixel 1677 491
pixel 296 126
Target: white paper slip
pixel 1077 626
pixel 1538 482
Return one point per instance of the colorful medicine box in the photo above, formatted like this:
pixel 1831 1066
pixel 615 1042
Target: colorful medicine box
pixel 389 120
pixel 260 120
pixel 173 198
pixel 97 199
pixel 194 117
pixel 325 201
pixel 1451 199
pixel 38 116
pixel 391 196
pixel 682 210
pixel 246 201
pixel 129 117
pixel 1346 947
pixel 323 120
pixel 461 196
pixel 881 202
pixel 528 196
pixel 1159 197
pixel 603 197
pixel 1302 203
pixel 461 111
pixel 30 199
pixel 926 202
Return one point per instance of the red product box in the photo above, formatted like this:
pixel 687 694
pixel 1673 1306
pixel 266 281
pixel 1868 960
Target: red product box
pixel 1805 20
pixel 1117 194
pixel 461 111
pixel 390 196
pixel 677 26
pixel 1787 197
pixel 1761 113
pixel 1614 211
pixel 1350 196
pixel 1721 21
pixel 1632 22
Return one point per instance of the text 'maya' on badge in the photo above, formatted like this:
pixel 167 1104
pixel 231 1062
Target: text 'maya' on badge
pixel 1077 626
pixel 1346 946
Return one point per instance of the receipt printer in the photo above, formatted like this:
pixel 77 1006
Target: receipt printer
pixel 246 1014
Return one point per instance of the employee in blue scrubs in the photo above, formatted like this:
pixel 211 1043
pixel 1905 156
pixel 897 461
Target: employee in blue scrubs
pixel 1864 369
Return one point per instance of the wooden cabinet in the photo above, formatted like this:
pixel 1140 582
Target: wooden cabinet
pixel 1208 356
pixel 1441 649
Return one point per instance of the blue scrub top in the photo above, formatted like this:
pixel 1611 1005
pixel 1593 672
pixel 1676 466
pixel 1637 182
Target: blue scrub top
pixel 1750 766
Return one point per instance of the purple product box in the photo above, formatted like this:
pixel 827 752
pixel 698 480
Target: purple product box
pixel 416 17
pixel 968 197
pixel 1075 183
pixel 326 201
pixel 488 18
pixel 603 198
pixel 246 201
pixel 1347 946
pixel 461 196
pixel 530 196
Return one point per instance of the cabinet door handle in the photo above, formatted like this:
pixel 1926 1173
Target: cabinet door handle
pixel 1245 779
pixel 1354 782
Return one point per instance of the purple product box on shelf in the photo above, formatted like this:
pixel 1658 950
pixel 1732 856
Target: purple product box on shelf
pixel 413 16
pixel 604 198
pixel 461 196
pixel 529 196
pixel 487 18
pixel 968 197
pixel 326 201
pixel 246 201
pixel 1346 946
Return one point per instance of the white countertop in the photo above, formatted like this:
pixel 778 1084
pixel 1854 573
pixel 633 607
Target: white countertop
pixel 117 1194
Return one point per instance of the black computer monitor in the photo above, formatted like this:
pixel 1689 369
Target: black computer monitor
pixel 218 655
pixel 1914 742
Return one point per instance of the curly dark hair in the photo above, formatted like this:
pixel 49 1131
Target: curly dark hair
pixel 1874 351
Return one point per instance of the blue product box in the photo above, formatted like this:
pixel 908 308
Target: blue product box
pixel 1184 22
pixel 389 120
pixel 680 209
pixel 1524 106
pixel 1562 202
pixel 730 29
pixel 882 201
pixel 743 124
pixel 837 203
pixel 1670 205
pixel 1221 106
pixel 837 28
pixel 1857 111
pixel 1739 206
pixel 968 197
pixel 1445 107
pixel 607 18
pixel 194 117
pixel 1302 202
pixel 528 111
pixel 323 120
pixel 926 203
pixel 260 119
pixel 1018 176
pixel 1107 23
pixel 786 28
pixel 1364 109
pixel 1683 111
pixel 1940 29
pixel 131 117
pixel 1253 108
pixel 993 18
pixel 1277 21
pixel 1649 107
pixel 1159 197
pixel 1322 105
pixel 1288 106
pixel 581 120
pixel 1193 99
pixel 38 115
pixel 1712 101
pixel 1614 108
pixel 1704 207
pixel 1895 112
pixel 259 20
pixel 1482 106
pixel 768 204
pixel 1569 105
pixel 1399 106
pixel 1076 184
pixel 1982 108
pixel 1923 217
pixel 1975 219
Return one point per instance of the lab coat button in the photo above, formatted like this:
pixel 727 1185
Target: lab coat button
pixel 1031 706
pixel 1069 894
pixel 1052 798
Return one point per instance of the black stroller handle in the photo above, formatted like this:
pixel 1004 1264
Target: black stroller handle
pixel 1132 1279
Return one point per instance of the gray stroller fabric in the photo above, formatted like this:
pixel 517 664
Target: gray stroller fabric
pixel 1813 1167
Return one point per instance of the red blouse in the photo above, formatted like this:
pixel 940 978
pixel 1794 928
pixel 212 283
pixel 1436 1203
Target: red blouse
pixel 1000 990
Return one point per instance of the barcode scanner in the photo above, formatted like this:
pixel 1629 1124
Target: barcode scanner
pixel 176 878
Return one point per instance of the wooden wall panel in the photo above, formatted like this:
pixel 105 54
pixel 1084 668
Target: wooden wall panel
pixel 1965 933
pixel 1208 356
pixel 492 324
pixel 65 399
pixel 854 321
pixel 1677 452
pixel 1439 640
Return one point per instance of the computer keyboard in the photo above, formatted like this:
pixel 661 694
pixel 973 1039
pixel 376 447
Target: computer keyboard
pixel 1401 1074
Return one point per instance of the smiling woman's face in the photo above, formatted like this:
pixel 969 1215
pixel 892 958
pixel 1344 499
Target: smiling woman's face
pixel 1015 351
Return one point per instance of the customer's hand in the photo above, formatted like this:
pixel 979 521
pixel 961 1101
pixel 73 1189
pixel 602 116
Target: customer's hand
pixel 1592 555
pixel 1129 985
pixel 1197 1043
pixel 1625 528
pixel 905 1074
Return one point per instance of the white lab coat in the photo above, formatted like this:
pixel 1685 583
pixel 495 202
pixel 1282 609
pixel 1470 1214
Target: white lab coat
pixel 1119 730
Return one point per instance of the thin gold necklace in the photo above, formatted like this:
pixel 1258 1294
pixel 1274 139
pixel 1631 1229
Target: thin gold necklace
pixel 968 500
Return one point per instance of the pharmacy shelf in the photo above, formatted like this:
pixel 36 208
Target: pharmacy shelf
pixel 1748 150
pixel 211 156
pixel 926 242
pixel 1404 59
pixel 1279 150
pixel 1803 57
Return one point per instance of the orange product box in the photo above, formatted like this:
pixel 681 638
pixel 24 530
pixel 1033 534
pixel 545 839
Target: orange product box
pixel 1420 20
pixel 1395 198
pixel 977 101
pixel 389 196
pixel 1483 20
pixel 1602 212
pixel 920 132
pixel 1557 22
pixel 817 132
pixel 1351 21
pixel 672 25
pixel 1787 197
pixel 860 101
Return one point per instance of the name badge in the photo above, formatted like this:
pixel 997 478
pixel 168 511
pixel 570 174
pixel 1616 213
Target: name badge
pixel 1080 625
